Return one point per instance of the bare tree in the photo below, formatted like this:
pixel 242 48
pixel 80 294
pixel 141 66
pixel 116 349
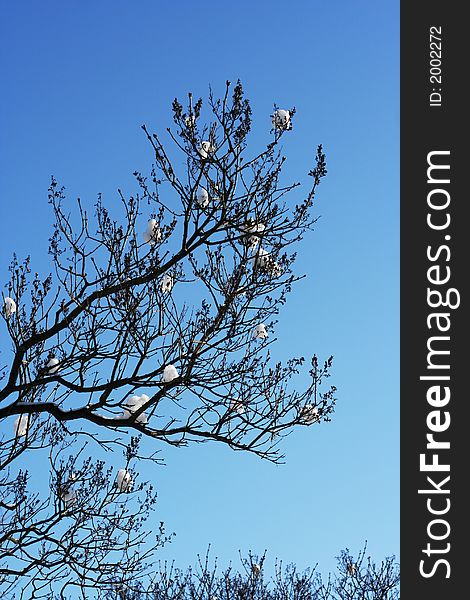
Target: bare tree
pixel 356 578
pixel 157 322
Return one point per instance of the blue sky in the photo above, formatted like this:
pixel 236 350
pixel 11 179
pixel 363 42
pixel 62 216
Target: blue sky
pixel 79 78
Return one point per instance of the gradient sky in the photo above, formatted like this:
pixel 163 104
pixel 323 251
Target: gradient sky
pixel 80 77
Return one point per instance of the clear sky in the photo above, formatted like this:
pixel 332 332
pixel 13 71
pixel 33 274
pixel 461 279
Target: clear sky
pixel 78 80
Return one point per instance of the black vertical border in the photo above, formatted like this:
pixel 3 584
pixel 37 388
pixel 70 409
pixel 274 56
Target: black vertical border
pixel 426 128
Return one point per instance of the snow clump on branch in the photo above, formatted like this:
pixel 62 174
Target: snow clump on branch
pixel 21 425
pixel 309 414
pixel 166 284
pixel 152 234
pixel 170 373
pixel 124 480
pixel 281 119
pixel 9 306
pixel 260 332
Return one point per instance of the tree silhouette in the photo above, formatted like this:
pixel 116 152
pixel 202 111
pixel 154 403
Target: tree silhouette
pixel 358 578
pixel 157 322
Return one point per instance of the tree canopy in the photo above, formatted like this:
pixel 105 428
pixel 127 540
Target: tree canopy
pixel 356 578
pixel 156 322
